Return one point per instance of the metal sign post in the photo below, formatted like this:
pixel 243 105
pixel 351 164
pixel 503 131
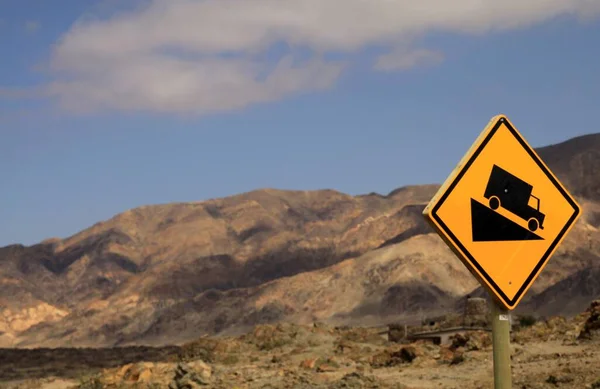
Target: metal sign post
pixel 501 345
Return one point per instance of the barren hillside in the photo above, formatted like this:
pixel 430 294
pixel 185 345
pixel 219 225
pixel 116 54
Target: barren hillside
pixel 169 273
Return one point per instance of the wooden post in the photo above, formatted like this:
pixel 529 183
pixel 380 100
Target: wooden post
pixel 501 345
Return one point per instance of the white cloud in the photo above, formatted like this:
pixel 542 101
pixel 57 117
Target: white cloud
pixel 186 56
pixel 403 59
pixel 169 84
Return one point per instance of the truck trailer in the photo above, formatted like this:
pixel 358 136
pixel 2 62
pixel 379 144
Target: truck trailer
pixel 513 194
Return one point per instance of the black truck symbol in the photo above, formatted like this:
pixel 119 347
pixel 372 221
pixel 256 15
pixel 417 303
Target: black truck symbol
pixel 513 194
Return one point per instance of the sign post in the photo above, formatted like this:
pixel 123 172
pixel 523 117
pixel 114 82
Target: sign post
pixel 501 345
pixel 503 213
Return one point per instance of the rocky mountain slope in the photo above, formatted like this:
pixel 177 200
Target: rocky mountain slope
pixel 170 273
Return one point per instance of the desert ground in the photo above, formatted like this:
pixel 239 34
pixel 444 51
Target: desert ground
pixel 549 353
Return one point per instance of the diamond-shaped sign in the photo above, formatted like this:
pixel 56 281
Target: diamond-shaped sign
pixel 502 212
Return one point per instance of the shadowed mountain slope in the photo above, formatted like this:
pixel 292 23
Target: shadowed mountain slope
pixel 169 273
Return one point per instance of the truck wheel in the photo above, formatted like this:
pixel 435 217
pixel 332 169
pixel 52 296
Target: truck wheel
pixel 494 202
pixel 533 224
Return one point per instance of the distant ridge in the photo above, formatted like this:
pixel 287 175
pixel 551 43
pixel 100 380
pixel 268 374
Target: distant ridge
pixel 165 274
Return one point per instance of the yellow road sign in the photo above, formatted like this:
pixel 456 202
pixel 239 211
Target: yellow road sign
pixel 502 212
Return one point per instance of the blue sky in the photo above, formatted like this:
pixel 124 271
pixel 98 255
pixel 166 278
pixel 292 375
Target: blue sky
pixel 76 153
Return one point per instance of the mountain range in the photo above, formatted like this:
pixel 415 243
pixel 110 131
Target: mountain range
pixel 168 274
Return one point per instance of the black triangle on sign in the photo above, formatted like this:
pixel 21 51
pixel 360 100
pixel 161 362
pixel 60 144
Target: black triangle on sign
pixel 489 226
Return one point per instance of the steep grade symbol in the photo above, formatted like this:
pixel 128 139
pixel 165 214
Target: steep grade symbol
pixel 513 194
